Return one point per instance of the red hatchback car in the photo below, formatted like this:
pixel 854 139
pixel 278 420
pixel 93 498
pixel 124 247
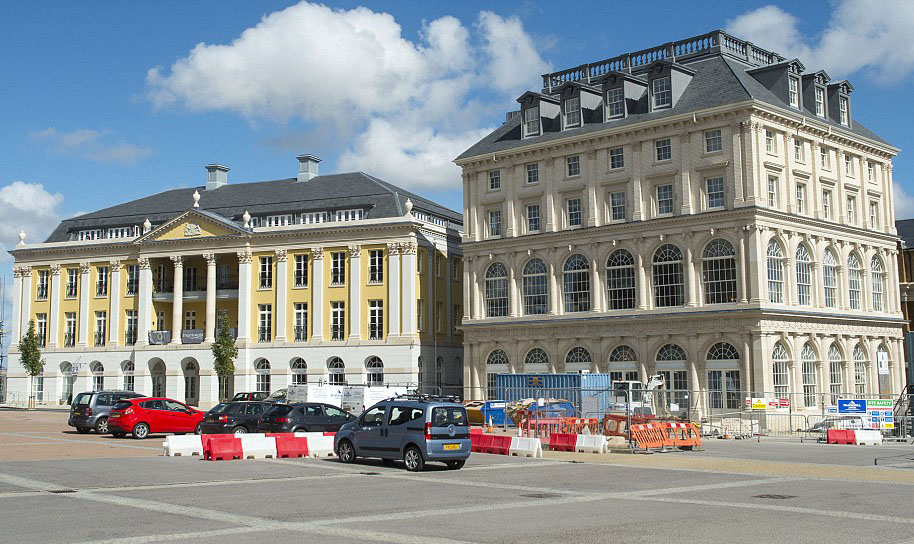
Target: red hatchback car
pixel 144 415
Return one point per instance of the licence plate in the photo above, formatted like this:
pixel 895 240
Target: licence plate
pixel 449 447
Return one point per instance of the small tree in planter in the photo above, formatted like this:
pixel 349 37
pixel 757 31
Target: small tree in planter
pixel 224 354
pixel 30 357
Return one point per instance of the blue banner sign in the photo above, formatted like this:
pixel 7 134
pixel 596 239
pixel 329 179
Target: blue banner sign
pixel 851 406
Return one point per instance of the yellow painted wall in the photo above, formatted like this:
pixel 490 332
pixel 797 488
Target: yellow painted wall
pixel 207 228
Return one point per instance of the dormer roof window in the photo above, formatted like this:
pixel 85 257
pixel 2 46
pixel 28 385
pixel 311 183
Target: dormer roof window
pixel 668 80
pixel 572 112
pixel 539 113
pixel 615 103
pixel 621 94
pixel 839 101
pixel 814 93
pixel 793 91
pixel 820 101
pixel 661 93
pixel 532 121
pixel 842 111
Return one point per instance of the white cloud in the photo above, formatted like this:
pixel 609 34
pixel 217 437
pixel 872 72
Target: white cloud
pixel 401 109
pixel 90 144
pixel 904 203
pixel 861 35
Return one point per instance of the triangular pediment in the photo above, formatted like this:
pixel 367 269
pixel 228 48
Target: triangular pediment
pixel 192 225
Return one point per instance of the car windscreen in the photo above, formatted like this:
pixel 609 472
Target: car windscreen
pixel 122 405
pixel 82 399
pixel 442 416
pixel 278 410
pixel 219 408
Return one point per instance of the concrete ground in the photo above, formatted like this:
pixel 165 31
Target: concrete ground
pixel 60 487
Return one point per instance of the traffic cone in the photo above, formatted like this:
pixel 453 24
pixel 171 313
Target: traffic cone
pixel 491 428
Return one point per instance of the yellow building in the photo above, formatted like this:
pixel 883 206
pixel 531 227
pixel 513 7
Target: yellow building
pixel 338 279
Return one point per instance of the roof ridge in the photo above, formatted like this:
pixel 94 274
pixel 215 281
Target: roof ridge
pixel 382 184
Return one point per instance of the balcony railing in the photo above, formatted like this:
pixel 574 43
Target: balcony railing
pixel 42 292
pixel 130 337
pixel 336 332
pixel 301 279
pixel 227 283
pixel 69 340
pixel 264 335
pixel 301 334
pixel 71 291
pixel 100 338
pixel 101 289
pixel 132 287
pixel 266 281
pixel 42 340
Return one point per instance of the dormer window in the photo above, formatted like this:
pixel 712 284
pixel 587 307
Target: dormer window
pixel 615 103
pixel 794 91
pixel 532 121
pixel 820 102
pixel 573 112
pixel 663 92
pixel 842 111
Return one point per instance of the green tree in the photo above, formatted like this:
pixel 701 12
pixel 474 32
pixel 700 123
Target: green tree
pixel 30 354
pixel 224 354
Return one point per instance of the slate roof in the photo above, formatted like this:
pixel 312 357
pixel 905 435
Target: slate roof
pixel 322 193
pixel 905 229
pixel 719 80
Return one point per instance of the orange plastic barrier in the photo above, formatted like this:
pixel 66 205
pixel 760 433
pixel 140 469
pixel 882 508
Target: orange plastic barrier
pixel 683 435
pixel 575 425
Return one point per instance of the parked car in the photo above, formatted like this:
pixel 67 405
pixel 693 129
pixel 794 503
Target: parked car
pixel 143 416
pixel 254 395
pixel 306 416
pixel 416 428
pixel 279 395
pixel 90 410
pixel 233 417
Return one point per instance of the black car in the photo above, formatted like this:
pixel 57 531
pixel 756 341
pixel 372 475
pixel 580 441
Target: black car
pixel 233 417
pixel 90 410
pixel 306 417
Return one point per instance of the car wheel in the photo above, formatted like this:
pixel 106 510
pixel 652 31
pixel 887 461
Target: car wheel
pixel 118 434
pixel 140 431
pixel 239 430
pixel 456 465
pixel 346 452
pixel 413 459
pixel 83 430
pixel 198 429
pixel 101 426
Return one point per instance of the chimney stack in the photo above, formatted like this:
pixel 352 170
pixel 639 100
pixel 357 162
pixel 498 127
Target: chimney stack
pixel 307 167
pixel 216 176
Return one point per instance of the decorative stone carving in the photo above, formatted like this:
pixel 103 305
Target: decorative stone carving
pixel 192 229
pixel 244 257
pixel 84 268
pixel 196 197
pixel 281 255
pixel 115 265
pixel 210 258
pixel 246 217
pixel 21 238
pixel 408 248
pixel 354 250
pixel 55 269
pixel 178 260
pixel 317 253
pixel 393 248
pixel 147 226
pixel 143 262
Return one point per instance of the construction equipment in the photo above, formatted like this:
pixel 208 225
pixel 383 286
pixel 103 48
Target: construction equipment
pixel 637 399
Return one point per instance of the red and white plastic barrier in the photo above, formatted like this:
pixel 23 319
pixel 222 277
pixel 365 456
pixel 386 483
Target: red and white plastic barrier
pixel 856 437
pixel 525 447
pixel 502 444
pixel 584 443
pixel 221 447
pixel 183 445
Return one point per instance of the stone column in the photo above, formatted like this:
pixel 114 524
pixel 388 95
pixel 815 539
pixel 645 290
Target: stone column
pixel 114 313
pixel 244 295
pixel 448 290
pixel 317 294
pixel 553 290
pixel 597 285
pixel 637 196
pixel 736 169
pixel 685 156
pixel 430 300
pixel 593 208
pixel 281 286
pixel 83 336
pixel 144 306
pixel 209 334
pixel 17 304
pixel 177 304
pixel 355 296
pixel 758 266
pixel 393 291
pixel 408 259
pixel 690 276
pixel 472 311
pixel 743 277
pixel 54 317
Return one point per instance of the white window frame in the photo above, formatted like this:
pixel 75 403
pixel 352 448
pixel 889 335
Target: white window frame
pixel 338 268
pixel 375 319
pixel 573 166
pixel 375 266
pixel 663 199
pixel 300 273
pixel 533 217
pixel 264 323
pixel 533 173
pixel 820 101
pixel 801 198
pixel 531 116
pixel 843 116
pixel 714 141
pixel 617 206
pixel 615 103
pixel 572 112
pixel 662 92
pixel 793 91
pixel 715 192
pixel 575 212
pixel 338 320
pixel 874 214
pixel 494 180
pixel 494 223
pixel 616 158
pixel 301 322
pixel 827 203
pixel 663 150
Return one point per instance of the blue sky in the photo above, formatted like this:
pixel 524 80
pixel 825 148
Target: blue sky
pixel 86 125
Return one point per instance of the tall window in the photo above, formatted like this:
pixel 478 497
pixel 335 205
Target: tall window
pixel 131 327
pixel 668 279
pixel 262 370
pixel 852 210
pixel 336 371
pixel 301 321
pixel 265 323
pixel 101 327
pixel 616 158
pixel 299 371
pixel 496 290
pixel 663 94
pixel 804 276
pixel 848 165
pixel 724 384
pixel 620 280
pixel 773 191
pixel 810 381
pixel 835 382
pixel 337 320
pixel 266 272
pixel 801 198
pixel 98 376
pixel 780 370
pixel 615 103
pixel 854 281
pixel 574 212
pixel 577 284
pixel 338 268
pixel 376 266
pixel 129 379
pixel 533 218
pixel 133 279
pixel 375 319
pixel 878 277
pixel 69 335
pixel 374 370
pixel 830 278
pixel 874 215
pixel 664 150
pixel 536 360
pixel 664 199
pixel 824 158
pixel 72 282
pixel 794 91
pixel 842 111
pixel 798 149
pixel 301 271
pixel 496 363
pixel 495 223
pixel 573 166
pixel 532 121
pixel 41 326
pixel 578 358
pixel 820 102
pixel 533 173
pixel 101 284
pixel 718 266
pixel 870 171
pixel 623 357
pixel 859 371
pixel 674 379
pixel 826 203
pixel 713 141
pixel 42 284
pixel 715 187
pixel 573 112
pixel 775 273
pixel 617 205
pixel 190 278
pixel 771 142
pixel 494 180
pixel 420 315
pixel 536 290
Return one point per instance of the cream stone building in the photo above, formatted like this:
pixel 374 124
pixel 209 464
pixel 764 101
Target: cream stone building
pixel 338 278
pixel 704 209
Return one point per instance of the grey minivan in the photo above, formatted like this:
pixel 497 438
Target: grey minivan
pixel 413 428
pixel 90 410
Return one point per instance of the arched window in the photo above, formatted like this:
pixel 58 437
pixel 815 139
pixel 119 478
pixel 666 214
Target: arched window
pixel 69 378
pixel 496 363
pixel 299 371
pixel 804 276
pixel 859 370
pixel 578 358
pixel 671 352
pixel 98 376
pixel 854 281
pixel 536 288
pixel 129 370
pixel 496 291
pixel 577 284
pixel 835 382
pixel 722 361
pixel 667 271
pixel 810 381
pixel 262 369
pixel 780 370
pixel 497 357
pixel 882 360
pixel 775 273
pixel 722 351
pixel 672 378
pixel 623 357
pixel 374 369
pixel 620 280
pixel 337 371
pixel 878 275
pixel 536 360
pixel 718 267
pixel 830 278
